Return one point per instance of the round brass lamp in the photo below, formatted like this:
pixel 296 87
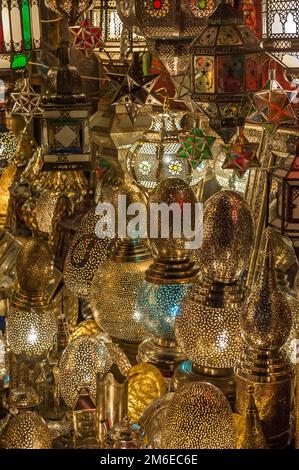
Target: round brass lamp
pixel 27 430
pixel 85 357
pixel 198 417
pixel 31 321
pixel 207 328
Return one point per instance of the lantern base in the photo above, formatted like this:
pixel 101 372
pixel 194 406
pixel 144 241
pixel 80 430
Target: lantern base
pixel 164 354
pixel 222 378
pixel 273 379
pixel 129 348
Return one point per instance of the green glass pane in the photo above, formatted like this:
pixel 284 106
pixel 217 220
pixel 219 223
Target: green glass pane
pixel 19 61
pixel 202 4
pixel 26 25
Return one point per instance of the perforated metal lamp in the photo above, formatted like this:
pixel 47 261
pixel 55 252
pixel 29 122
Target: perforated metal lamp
pixel 20 32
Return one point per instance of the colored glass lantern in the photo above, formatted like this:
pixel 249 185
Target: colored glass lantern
pixel 196 146
pixel 87 37
pixel 65 136
pixel 20 32
pixel 240 155
pixel 272 105
pixel 169 27
pixel 159 305
pixel 225 70
pixel 156 155
pixel 281 32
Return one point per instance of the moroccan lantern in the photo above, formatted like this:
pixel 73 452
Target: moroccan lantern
pixel 225 69
pixel 20 32
pixel 65 136
pixel 280 33
pixel 169 26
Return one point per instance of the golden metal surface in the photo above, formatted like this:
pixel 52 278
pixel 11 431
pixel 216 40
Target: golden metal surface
pixel 166 355
pixel 146 383
pixel 199 417
pixel 27 430
pixel 228 233
pixel 266 318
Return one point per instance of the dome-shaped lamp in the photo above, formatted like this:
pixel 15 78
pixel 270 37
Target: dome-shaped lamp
pixel 207 328
pixel 199 417
pixel 167 280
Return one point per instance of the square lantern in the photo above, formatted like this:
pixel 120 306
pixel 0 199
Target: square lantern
pixel 66 138
pixel 284 209
pixel 281 31
pixel 20 32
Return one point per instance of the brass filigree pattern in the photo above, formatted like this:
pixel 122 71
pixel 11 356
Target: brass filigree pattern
pixel 27 430
pixel 199 417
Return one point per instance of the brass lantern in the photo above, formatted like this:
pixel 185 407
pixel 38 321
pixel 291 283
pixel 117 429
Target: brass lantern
pixel 65 136
pixel 281 33
pixel 225 69
pixel 20 32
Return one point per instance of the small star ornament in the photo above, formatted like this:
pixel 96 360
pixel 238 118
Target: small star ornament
pixel 87 37
pixel 196 146
pixel 272 105
pixel 135 89
pixel 26 102
pixel 240 155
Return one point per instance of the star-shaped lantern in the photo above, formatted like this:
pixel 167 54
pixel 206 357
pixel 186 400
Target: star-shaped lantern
pixel 272 105
pixel 87 37
pixel 135 89
pixel 196 146
pixel 240 155
pixel 26 101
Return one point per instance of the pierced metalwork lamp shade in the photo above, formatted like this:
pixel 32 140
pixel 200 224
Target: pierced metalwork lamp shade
pixel 31 322
pixel 208 327
pixel 27 430
pixel 199 417
pixel 8 143
pixel 84 358
pixel 20 31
